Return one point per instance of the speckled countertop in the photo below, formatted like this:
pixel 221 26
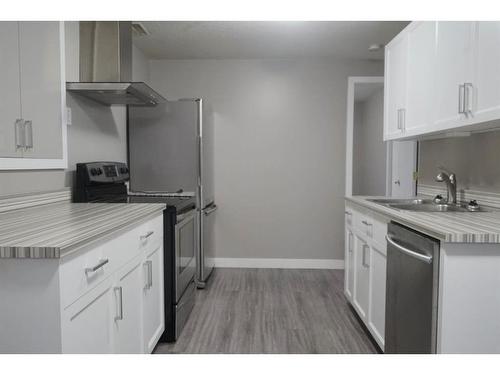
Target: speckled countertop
pixel 56 229
pixel 458 227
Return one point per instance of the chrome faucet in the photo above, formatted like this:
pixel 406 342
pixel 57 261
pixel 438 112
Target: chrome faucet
pixel 451 186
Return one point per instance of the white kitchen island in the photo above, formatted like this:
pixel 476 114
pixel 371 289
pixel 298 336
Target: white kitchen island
pixel 81 278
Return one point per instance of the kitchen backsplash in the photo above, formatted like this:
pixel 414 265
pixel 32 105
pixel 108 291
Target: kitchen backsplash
pixel 474 159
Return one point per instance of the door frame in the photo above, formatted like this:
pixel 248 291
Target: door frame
pixel 352 81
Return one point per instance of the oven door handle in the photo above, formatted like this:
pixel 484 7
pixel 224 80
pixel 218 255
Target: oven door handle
pixel 211 210
pixel 422 257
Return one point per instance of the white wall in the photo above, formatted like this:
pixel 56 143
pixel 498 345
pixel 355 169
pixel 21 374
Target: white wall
pixel 280 150
pixel 97 133
pixel 369 148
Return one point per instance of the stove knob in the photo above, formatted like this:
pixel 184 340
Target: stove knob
pixel 94 172
pixel 123 170
pixel 99 171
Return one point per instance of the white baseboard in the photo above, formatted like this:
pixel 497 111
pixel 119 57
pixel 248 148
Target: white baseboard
pixel 330 264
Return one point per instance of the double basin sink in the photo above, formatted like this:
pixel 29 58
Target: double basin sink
pixel 424 205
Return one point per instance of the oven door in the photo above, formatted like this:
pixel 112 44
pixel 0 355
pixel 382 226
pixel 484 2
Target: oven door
pixel 186 241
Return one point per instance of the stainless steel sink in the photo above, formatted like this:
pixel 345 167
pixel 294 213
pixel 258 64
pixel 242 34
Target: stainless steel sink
pixel 430 207
pixel 423 205
pixel 410 201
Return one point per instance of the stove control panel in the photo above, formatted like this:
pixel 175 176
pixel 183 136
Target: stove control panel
pixel 101 172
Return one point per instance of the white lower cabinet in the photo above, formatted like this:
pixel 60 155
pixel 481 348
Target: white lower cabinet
pixel 365 268
pixel 361 277
pixel 349 262
pixel 153 298
pixel 104 298
pixel 376 314
pixel 127 319
pixel 125 312
pixel 85 324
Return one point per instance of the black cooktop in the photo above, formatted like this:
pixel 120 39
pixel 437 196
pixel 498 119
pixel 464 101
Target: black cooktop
pixel 179 203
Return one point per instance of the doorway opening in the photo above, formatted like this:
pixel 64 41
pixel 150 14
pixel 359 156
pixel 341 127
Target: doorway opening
pixel 375 167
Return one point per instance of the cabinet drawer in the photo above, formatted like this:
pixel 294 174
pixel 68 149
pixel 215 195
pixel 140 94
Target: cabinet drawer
pixel 379 231
pixel 367 223
pixel 363 224
pixel 85 269
pixel 150 234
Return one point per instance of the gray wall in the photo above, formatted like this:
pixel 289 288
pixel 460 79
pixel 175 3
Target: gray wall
pixel 280 150
pixel 369 149
pixel 475 160
pixel 97 132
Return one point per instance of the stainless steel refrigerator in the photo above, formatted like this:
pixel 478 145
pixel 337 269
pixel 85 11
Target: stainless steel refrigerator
pixel 171 150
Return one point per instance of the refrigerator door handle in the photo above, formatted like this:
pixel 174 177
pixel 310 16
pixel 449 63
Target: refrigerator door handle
pixel 211 210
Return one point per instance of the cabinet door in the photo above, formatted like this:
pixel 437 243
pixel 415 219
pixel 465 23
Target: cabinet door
pixel 349 263
pixel 487 80
pixel 376 317
pixel 41 87
pixel 153 299
pixel 420 78
pixel 10 101
pixel 453 68
pixel 127 320
pixel 86 326
pixel 361 276
pixel 395 86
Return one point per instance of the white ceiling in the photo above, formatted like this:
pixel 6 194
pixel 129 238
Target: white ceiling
pixel 265 39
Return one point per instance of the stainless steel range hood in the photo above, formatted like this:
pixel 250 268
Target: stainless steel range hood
pixel 106 66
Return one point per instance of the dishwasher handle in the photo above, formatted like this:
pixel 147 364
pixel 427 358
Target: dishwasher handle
pixel 422 257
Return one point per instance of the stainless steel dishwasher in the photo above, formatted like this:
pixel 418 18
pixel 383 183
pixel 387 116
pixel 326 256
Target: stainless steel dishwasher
pixel 411 291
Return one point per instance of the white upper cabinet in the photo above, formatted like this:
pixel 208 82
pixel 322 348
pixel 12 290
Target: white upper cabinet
pixel 450 76
pixel 10 97
pixel 396 54
pixel 41 91
pixel 486 105
pixel 32 103
pixel 453 71
pixel 420 77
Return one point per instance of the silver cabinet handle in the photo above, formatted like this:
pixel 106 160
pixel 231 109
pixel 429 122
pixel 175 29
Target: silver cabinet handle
pixel 19 131
pixel 119 313
pixel 147 235
pixel 348 213
pixel 468 91
pixel 401 119
pixel 28 137
pixel 350 246
pixel 461 96
pixel 150 273
pixel 210 211
pixel 146 270
pixel 101 264
pixel 367 223
pixel 422 257
pixel 397 182
pixel 363 259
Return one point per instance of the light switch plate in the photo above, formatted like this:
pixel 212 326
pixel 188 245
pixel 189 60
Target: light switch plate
pixel 69 119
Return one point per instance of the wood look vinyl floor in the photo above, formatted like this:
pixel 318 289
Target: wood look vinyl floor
pixel 272 311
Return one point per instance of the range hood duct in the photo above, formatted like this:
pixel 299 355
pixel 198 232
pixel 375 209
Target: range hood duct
pixel 106 66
